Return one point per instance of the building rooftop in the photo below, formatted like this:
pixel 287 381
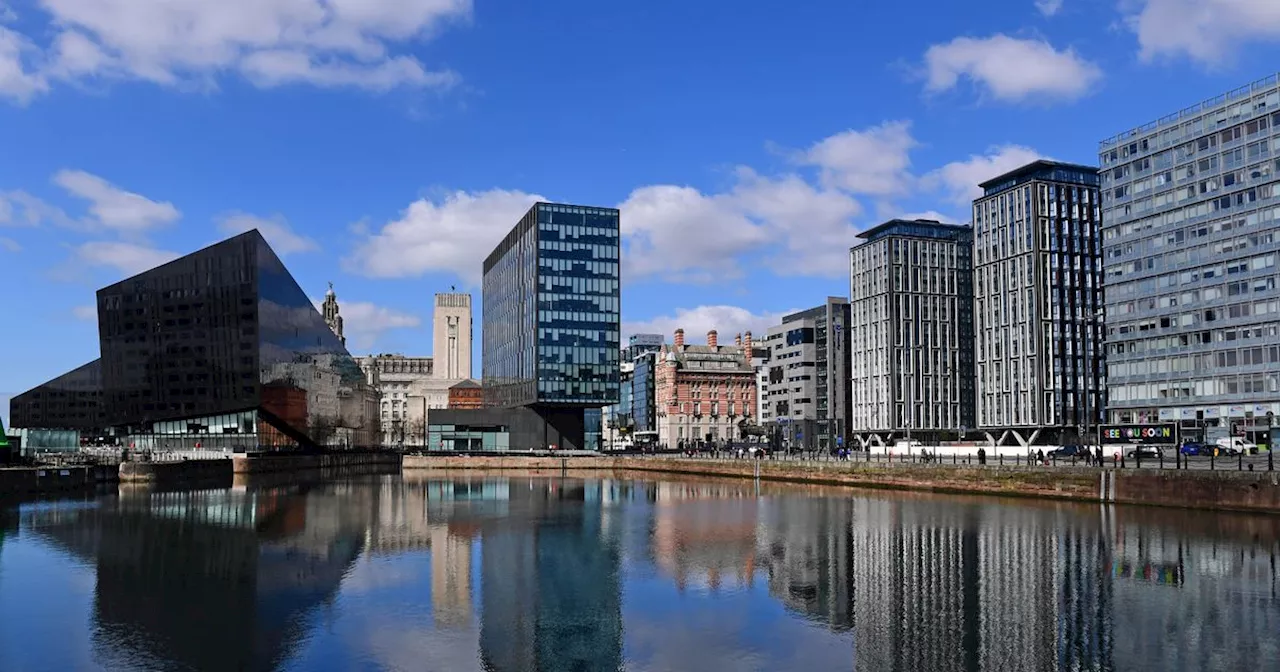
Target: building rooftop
pixel 1043 169
pixel 916 228
pixel 467 384
pixel 1268 82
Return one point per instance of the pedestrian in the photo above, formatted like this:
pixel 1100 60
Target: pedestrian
pixel 1040 456
pixel 982 455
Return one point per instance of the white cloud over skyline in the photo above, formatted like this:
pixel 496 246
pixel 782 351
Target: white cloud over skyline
pixel 1010 69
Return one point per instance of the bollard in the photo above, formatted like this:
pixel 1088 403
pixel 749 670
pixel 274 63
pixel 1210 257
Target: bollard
pixel 953 458
pixel 1271 449
pixel 1161 453
pixel 1240 459
pixel 1213 457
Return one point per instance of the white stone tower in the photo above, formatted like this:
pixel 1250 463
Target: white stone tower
pixel 451 333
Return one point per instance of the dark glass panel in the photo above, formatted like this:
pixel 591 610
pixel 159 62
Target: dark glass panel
pixel 310 383
pixel 70 401
pixel 180 340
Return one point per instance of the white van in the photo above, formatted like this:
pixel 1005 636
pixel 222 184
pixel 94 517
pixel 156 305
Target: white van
pixel 909 447
pixel 1235 446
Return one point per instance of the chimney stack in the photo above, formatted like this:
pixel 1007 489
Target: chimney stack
pixel 746 347
pixel 679 339
pixel 737 339
pixel 711 338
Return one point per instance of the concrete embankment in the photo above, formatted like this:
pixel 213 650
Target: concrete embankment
pixel 1220 490
pixel 186 471
pixel 264 464
pixel 37 480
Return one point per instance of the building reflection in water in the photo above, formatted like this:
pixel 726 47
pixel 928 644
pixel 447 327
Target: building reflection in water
pixel 534 571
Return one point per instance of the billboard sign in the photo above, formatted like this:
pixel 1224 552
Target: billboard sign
pixel 1158 434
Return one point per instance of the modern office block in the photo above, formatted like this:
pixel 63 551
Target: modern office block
pixel 1038 303
pixel 911 316
pixel 1191 222
pixel 808 381
pixel 552 317
pixel 218 349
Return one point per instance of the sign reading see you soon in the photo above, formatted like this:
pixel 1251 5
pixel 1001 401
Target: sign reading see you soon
pixel 1163 434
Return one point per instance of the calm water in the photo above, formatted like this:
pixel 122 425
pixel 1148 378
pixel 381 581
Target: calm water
pixel 488 573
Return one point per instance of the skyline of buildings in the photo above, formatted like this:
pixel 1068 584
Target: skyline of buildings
pixel 1143 291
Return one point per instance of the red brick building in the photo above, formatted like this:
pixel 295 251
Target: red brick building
pixel 704 391
pixel 466 394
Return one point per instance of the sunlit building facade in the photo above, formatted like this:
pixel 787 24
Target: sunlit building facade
pixel 1193 303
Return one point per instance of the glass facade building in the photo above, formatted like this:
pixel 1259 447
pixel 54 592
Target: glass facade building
pixel 70 401
pixel 552 310
pixel 1037 257
pixel 221 349
pixel 644 393
pixel 1191 212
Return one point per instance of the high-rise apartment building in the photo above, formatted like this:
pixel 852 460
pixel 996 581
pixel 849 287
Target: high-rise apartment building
pixel 1191 227
pixel 452 330
pixel 808 381
pixel 911 317
pixel 1038 304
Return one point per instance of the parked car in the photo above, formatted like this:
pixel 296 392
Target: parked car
pixel 1236 446
pixel 1144 452
pixel 1191 449
pixel 1065 452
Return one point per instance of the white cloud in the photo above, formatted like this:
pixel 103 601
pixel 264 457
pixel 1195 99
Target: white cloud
pixel 453 236
pixel 728 321
pixel 328 43
pixel 127 258
pixel 87 313
pixel 18 81
pixel 18 208
pixel 810 229
pixel 680 234
pixel 10 245
pixel 960 179
pixel 1209 31
pixel 283 239
pixel 1049 7
pixel 363 323
pixel 113 207
pixel 1011 69
pixel 874 161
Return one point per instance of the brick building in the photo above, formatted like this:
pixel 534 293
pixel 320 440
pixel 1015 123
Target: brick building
pixel 704 391
pixel 466 394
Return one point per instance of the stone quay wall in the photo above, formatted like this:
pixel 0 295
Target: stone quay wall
pixel 1211 490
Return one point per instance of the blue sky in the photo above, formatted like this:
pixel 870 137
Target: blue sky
pixel 386 145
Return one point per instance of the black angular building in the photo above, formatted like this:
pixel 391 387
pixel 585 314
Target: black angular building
pixel 218 349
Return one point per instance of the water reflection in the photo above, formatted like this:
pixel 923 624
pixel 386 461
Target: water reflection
pixel 513 574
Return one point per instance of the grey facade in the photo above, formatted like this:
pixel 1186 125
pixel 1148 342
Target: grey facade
pixel 807 397
pixel 1038 304
pixel 912 330
pixel 1191 221
pixel 503 429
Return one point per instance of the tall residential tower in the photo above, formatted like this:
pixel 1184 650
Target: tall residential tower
pixel 911 292
pixel 1038 304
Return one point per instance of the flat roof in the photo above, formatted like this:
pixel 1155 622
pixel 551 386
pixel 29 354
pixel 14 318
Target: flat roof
pixel 1246 91
pixel 1036 166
